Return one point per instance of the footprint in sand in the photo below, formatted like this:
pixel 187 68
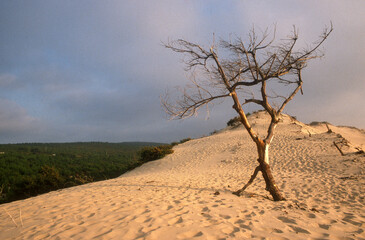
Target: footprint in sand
pixel 287 220
pixel 169 207
pixel 176 220
pixel 224 216
pixel 299 229
pixel 277 230
pixel 142 219
pixel 349 218
pixel 324 226
pixel 205 209
pixel 207 216
pixel 190 234
pixel 244 226
pixel 252 214
pixel 228 229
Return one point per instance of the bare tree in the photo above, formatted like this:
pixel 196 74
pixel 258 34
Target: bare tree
pixel 230 69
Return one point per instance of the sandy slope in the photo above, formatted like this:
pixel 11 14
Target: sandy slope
pixel 174 198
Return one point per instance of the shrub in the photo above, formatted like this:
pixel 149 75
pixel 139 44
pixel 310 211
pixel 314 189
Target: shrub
pixel 82 178
pixel 236 120
pixel 185 140
pixel 50 178
pixel 214 132
pixel 233 122
pixel 154 153
pixel 181 141
pixel 174 143
pixel 318 123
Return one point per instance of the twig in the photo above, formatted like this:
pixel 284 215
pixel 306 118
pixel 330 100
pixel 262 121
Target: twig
pixel 359 150
pixel 338 148
pixel 11 217
pixel 328 129
pixel 309 133
pixel 20 216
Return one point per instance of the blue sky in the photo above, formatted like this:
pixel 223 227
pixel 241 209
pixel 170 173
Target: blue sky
pixel 94 70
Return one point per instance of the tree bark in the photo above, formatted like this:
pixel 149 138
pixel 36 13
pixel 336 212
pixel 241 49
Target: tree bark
pixel 263 151
pixel 264 167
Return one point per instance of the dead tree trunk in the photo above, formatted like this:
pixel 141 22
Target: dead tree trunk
pixel 263 151
pixel 265 169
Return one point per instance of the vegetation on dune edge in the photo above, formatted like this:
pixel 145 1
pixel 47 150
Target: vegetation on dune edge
pixel 27 170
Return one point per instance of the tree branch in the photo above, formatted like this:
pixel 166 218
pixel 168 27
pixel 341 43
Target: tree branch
pixel 187 107
pixel 253 176
pixel 251 66
pixel 291 96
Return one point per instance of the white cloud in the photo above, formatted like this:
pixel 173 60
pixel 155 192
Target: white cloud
pixel 15 122
pixel 7 79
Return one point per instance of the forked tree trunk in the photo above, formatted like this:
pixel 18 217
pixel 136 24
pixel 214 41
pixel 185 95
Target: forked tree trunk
pixel 264 167
pixel 263 151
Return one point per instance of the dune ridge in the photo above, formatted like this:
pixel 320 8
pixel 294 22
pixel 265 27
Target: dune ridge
pixel 188 194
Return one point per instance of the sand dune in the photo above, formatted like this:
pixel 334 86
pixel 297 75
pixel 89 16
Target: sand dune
pixel 187 195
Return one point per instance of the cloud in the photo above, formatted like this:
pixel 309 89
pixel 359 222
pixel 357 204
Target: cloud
pixel 6 79
pixel 15 122
pixel 95 70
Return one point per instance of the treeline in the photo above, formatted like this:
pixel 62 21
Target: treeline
pixel 30 169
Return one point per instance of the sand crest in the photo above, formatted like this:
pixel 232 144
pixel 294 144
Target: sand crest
pixel 187 195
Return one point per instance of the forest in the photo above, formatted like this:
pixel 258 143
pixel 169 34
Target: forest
pixel 30 169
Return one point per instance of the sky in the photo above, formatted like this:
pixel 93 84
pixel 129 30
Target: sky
pixel 91 70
